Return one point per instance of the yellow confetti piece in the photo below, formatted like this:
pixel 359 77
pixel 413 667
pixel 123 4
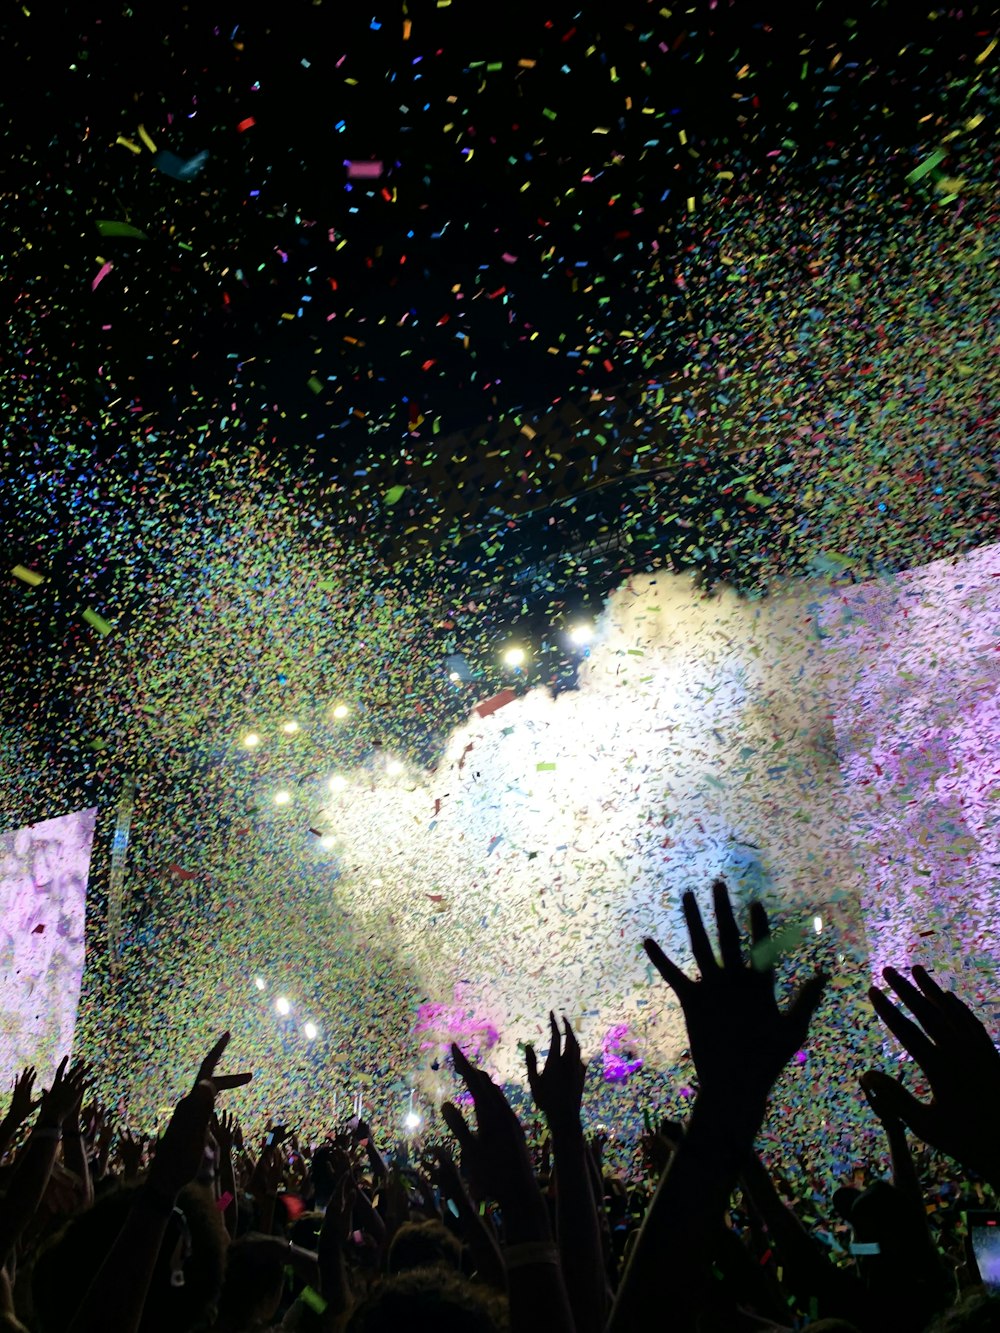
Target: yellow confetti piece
pixel 27 575
pixel 127 143
pixel 146 139
pixel 97 622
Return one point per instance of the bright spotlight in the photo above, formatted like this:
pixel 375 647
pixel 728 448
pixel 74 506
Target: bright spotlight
pixel 259 982
pixel 290 728
pixel 818 925
pixel 251 740
pixel 394 768
pixel 580 635
pixel 283 1006
pixel 310 1031
pixel 328 841
pixel 337 783
pixel 341 710
pixel 514 657
pixel 411 1121
pixel 282 797
pixel 454 677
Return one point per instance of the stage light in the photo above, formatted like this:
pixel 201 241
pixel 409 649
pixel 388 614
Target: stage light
pixel 283 1006
pixel 290 728
pixel 580 635
pixel 818 925
pixel 411 1121
pixel 310 1031
pixel 260 983
pixel 251 740
pixel 454 677
pixel 337 783
pixel 328 840
pixel 341 710
pixel 282 797
pixel 514 657
pixel 394 768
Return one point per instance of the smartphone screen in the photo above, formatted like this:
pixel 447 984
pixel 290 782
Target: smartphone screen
pixel 984 1244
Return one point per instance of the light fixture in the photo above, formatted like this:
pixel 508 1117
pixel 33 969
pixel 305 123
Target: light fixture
pixel 337 783
pixel 341 710
pixel 251 740
pixel 283 1005
pixel 394 768
pixel 454 677
pixel 411 1121
pixel 260 983
pixel 581 634
pixel 282 797
pixel 818 924
pixel 328 840
pixel 290 728
pixel 310 1031
pixel 514 657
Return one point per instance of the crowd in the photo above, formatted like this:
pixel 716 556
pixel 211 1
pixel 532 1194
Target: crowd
pixel 105 1231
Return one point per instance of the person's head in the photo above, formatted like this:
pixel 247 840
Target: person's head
pixel 429 1300
pixel 424 1245
pixel 251 1292
pixel 188 1274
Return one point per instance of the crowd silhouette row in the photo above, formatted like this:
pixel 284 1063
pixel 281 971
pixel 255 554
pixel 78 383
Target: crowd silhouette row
pixel 209 1228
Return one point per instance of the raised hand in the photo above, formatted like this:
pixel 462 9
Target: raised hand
pixel 495 1159
pixel 224 1130
pixel 65 1095
pixel 179 1153
pixel 740 1039
pixel 962 1066
pixel 130 1150
pixel 21 1098
pixel 220 1082
pixel 558 1088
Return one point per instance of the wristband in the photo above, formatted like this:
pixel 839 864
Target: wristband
pixel 530 1253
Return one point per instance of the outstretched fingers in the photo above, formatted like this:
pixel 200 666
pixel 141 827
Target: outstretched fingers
pixel 701 948
pixel 906 1032
pixel 726 927
pixel 670 972
pixel 220 1082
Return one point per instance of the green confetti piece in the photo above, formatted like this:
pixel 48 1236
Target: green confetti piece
pixel 313 1299
pixel 393 494
pixel 545 768
pixel 107 228
pixel 315 384
pixel 926 166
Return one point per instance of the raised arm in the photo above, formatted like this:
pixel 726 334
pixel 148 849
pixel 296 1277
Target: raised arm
pixel 115 1300
pixel 496 1159
pixel 34 1166
pixel 558 1093
pixel 740 1041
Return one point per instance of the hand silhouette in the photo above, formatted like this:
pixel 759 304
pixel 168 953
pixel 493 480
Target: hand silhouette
pixel 962 1066
pixel 558 1088
pixel 740 1039
pixel 496 1158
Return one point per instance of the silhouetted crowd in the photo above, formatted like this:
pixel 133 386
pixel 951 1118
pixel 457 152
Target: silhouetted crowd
pixel 103 1230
